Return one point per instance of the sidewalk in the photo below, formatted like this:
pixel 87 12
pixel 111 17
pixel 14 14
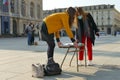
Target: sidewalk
pixel 16 59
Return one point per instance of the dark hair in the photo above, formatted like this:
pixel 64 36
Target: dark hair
pixel 82 12
pixel 30 23
pixel 71 11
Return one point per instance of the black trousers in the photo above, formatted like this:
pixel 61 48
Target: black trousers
pixel 49 38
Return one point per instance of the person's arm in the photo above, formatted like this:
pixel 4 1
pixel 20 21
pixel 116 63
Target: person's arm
pixel 69 31
pixel 93 24
pixel 26 29
pixel 67 28
pixel 57 35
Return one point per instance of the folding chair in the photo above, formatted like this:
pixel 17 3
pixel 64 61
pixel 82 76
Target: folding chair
pixel 75 51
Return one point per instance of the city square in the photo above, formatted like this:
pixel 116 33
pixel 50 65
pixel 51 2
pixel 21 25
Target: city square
pixel 25 23
pixel 17 58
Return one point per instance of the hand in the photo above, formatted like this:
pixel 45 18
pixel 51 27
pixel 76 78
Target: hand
pixel 59 44
pixel 77 40
pixel 75 44
pixel 97 34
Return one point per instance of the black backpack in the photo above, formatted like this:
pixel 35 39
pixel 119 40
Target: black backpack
pixel 26 30
pixel 52 69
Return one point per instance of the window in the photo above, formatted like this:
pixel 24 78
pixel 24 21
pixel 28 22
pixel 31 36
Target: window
pixel 32 9
pixel 23 8
pixel 12 3
pixel 38 11
pixel 5 5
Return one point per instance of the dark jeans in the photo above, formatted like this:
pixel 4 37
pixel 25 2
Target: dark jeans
pixel 29 38
pixel 49 38
pixel 32 39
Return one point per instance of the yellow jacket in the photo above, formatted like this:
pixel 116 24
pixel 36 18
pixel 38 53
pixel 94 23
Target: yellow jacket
pixel 57 21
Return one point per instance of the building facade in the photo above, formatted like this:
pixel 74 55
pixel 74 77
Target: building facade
pixel 106 17
pixel 16 14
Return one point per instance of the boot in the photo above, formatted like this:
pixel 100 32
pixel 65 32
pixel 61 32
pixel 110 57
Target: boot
pixel 50 60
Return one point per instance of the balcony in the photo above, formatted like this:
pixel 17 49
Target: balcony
pixel 9 14
pixel 15 15
pixel 4 14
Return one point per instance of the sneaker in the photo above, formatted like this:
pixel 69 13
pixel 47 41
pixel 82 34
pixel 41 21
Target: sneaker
pixel 80 63
pixel 90 63
pixel 50 61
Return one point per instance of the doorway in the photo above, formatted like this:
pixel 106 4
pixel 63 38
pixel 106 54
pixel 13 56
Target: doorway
pixel 14 27
pixel 6 28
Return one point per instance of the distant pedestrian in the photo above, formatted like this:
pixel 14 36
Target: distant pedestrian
pixel 33 35
pixel 28 31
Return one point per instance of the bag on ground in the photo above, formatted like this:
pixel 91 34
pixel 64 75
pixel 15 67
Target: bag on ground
pixel 36 43
pixel 37 70
pixel 52 69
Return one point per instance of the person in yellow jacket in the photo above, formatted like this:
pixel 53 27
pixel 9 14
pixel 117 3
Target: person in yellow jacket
pixel 51 26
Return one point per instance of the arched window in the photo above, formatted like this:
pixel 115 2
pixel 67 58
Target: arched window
pixel 12 4
pixel 38 11
pixel 14 27
pixel 32 9
pixel 23 8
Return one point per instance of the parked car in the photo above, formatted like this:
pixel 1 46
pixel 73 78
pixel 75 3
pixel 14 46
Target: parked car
pixel 102 33
pixel 118 33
